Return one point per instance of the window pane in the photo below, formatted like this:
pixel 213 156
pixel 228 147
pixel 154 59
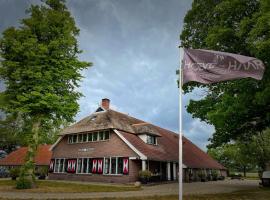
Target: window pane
pixel 113 169
pixel 151 139
pixel 60 165
pixel 80 138
pixel 65 164
pixel 84 165
pixel 74 138
pixel 70 139
pixel 107 135
pixel 95 136
pixel 79 167
pixel 107 166
pixel 148 139
pixel 89 165
pixel 84 137
pixel 98 138
pixel 101 135
pixel 57 163
pixel 90 137
pixel 120 166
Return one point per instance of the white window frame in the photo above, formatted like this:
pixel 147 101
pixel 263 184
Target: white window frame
pixel 63 168
pixel 82 165
pixel 149 138
pixel 83 135
pixel 70 137
pixel 91 135
pixel 110 166
pixel 88 136
pixel 105 135
pixel 76 139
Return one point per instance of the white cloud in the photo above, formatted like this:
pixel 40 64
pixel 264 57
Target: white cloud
pixel 134 47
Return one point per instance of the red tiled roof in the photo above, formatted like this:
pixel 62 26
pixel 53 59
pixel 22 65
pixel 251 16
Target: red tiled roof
pixel 194 157
pixel 17 157
pixel 167 150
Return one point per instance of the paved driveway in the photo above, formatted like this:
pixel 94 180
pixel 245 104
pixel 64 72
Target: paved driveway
pixel 163 189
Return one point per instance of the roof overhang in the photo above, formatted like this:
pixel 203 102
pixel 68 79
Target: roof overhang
pixel 57 141
pixel 142 156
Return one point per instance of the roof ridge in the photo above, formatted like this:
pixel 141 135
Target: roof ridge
pixel 125 114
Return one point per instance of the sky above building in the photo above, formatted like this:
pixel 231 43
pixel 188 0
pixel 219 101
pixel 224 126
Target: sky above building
pixel 133 45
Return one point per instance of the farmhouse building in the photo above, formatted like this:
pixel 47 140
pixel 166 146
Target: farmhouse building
pixel 109 146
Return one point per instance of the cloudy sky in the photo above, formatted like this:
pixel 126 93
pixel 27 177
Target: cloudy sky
pixel 133 45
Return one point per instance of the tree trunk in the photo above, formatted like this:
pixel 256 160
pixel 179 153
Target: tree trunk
pixel 28 170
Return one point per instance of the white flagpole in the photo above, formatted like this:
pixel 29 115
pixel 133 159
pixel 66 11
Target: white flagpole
pixel 180 131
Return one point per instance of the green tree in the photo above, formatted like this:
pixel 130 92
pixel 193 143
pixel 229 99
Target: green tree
pixel 9 137
pixel 235 157
pixel 41 71
pixel 238 109
pixel 245 156
pixel 260 145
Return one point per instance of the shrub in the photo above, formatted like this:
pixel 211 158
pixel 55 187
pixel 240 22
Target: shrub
pixel 23 183
pixel 202 175
pixel 214 175
pixel 14 172
pixel 43 172
pixel 145 174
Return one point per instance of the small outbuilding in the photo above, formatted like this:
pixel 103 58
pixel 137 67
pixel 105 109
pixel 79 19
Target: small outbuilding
pixel 17 157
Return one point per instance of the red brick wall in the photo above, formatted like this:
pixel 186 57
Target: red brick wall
pixel 113 147
pixel 134 167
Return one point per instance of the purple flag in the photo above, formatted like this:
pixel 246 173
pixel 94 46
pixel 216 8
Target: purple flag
pixel 206 66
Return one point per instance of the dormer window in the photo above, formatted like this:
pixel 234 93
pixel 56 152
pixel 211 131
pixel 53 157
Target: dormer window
pixel 151 139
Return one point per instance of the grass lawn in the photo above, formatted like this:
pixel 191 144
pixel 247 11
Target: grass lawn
pixel 51 186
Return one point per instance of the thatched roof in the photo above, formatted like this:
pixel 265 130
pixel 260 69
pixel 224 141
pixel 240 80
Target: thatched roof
pixel 145 128
pixel 109 119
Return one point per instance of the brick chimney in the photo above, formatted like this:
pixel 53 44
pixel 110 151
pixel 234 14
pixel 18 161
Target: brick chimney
pixel 105 103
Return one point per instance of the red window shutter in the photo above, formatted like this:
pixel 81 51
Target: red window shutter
pixel 100 166
pixel 71 166
pixel 51 167
pixel 94 166
pixel 68 165
pixel 125 166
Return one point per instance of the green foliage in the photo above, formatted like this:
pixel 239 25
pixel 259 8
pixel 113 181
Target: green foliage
pixel 244 156
pixel 202 174
pixel 214 174
pixel 235 157
pixel 146 174
pixel 261 148
pixel 14 172
pixel 23 183
pixel 10 137
pixel 238 109
pixel 41 69
pixel 41 72
pixel 43 171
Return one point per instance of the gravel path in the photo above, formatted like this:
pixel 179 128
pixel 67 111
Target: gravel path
pixel 163 189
